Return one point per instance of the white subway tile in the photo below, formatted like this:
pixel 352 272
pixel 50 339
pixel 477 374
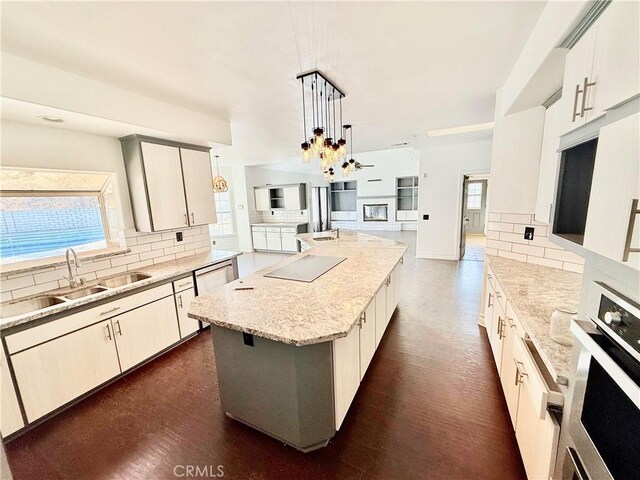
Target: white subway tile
pixel 176 249
pixel 494 217
pixel 186 253
pixel 513 256
pixel 544 262
pixel 493 235
pixel 573 267
pixel 500 227
pixel 33 290
pixel 498 245
pixel 203 250
pixel 94 266
pixel 112 271
pixel 528 250
pixel 141 248
pixel 15 283
pixel 130 242
pixel 564 256
pixel 516 218
pixel 5 296
pixel 151 254
pixel 513 237
pixel 165 258
pixel 544 242
pixel 154 237
pixel 134 266
pixel 491 251
pixel 168 235
pixel 162 244
pixel 131 258
pixel 49 276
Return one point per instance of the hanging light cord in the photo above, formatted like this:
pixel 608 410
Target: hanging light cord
pixel 304 114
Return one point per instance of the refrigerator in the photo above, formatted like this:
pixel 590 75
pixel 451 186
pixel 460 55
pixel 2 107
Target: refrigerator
pixel 320 209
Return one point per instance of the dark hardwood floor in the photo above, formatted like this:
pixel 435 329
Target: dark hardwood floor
pixel 430 407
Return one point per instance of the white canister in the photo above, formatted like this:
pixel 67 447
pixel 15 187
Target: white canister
pixel 560 322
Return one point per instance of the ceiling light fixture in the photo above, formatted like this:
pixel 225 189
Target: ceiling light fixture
pixel 219 183
pixel 478 127
pixel 321 140
pixel 48 118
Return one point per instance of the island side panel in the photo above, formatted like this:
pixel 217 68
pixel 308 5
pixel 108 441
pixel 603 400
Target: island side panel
pixel 277 388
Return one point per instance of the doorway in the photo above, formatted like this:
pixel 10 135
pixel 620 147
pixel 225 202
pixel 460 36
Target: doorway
pixel 474 214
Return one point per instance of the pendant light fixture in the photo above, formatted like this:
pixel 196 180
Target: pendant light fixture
pixel 325 140
pixel 219 183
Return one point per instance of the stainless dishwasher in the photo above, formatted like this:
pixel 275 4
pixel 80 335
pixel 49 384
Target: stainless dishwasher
pixel 210 278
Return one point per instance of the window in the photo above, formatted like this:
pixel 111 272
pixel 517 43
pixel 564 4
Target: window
pixel 42 213
pixel 474 196
pixel 224 225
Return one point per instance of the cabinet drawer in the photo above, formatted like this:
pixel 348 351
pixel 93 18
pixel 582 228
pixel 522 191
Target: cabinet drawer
pixel 183 284
pixel 273 229
pixel 258 229
pixel 288 230
pixel 74 321
pixel 540 387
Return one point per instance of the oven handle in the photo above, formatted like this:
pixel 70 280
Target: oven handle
pixel 581 330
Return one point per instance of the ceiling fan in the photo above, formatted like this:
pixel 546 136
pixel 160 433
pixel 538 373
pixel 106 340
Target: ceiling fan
pixel 360 166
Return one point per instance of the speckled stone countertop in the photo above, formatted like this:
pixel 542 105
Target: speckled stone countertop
pixel 347 239
pixel 159 273
pixel 301 313
pixel 534 292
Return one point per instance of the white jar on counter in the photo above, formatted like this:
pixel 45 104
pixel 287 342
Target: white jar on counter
pixel 560 322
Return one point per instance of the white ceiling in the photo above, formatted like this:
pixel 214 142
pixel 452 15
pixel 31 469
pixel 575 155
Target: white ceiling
pixel 405 67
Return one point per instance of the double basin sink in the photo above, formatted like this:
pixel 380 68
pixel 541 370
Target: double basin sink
pixel 31 305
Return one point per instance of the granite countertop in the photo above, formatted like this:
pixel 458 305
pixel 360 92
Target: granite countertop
pixel 161 272
pixel 267 224
pixel 301 313
pixel 534 292
pixel 346 239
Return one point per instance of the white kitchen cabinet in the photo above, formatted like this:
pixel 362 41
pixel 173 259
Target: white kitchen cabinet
pixel 548 162
pixel 391 296
pixel 196 166
pixel 259 238
pixel 292 198
pixel 274 240
pixel 169 183
pixel 344 216
pixel 183 300
pixel 616 61
pixel 10 415
pixel 381 312
pixel 489 300
pixel 54 373
pixel 145 331
pixel 263 202
pixel 496 335
pixel 508 367
pixel 367 337
pixel 615 185
pixel 346 373
pixel 397 282
pixel 165 188
pixel 289 240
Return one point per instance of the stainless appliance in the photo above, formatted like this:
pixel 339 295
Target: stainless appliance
pixel 604 421
pixel 209 278
pixel 320 208
pixel 306 269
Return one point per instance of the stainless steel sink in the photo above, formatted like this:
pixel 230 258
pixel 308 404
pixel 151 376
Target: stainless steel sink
pixel 122 280
pixel 85 292
pixel 324 238
pixel 30 305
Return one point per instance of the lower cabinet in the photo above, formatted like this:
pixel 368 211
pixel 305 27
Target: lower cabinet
pixel 509 366
pixel 183 300
pixel 10 415
pixel 289 240
pixel 274 241
pixel 367 329
pixel 145 331
pixel 54 373
pixel 259 238
pixel 381 312
pixel 277 239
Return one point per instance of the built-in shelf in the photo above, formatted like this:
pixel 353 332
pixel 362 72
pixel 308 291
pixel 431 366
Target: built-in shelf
pixel 344 196
pixel 406 194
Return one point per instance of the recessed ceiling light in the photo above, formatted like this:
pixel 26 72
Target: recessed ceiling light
pixel 464 129
pixel 48 118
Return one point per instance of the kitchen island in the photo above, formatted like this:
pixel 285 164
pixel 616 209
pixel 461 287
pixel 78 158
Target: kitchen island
pixel 290 355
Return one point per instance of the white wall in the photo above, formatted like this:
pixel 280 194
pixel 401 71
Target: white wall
pixel 387 166
pixel 440 195
pixel 31 146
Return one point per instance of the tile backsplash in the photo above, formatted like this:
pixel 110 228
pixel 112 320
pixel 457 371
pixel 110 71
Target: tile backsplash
pixel 505 238
pixel 285 216
pixel 146 249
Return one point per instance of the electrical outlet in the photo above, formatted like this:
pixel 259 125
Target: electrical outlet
pixel 178 236
pixel 425 217
pixel 213 242
pixel 528 233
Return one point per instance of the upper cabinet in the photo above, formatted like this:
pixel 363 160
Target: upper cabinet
pixel 280 197
pixel 548 162
pixel 169 184
pixel 602 69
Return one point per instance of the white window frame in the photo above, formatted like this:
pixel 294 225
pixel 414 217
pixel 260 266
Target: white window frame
pixel 219 212
pixel 475 195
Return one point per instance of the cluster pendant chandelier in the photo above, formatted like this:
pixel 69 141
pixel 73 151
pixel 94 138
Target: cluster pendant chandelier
pixel 325 140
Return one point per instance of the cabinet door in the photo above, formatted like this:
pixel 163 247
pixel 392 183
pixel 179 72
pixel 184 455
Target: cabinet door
pixel 497 330
pixel 289 242
pixel 508 368
pixel 54 373
pixel 187 325
pixel 391 296
pixel 292 198
pixel 10 416
pixel 165 187
pixel 346 372
pixel 616 63
pixel 397 282
pixel 578 66
pixel 489 302
pixel 381 313
pixel 196 170
pixel 274 241
pixel 412 215
pixel 615 184
pixel 143 332
pixel 367 337
pixel 401 215
pixel 259 239
pixel 548 162
pixel 263 203
pixel 537 437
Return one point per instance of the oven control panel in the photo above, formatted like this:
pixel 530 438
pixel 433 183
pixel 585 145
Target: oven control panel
pixel 620 320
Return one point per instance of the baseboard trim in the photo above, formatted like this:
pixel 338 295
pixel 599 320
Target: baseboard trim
pixel 430 256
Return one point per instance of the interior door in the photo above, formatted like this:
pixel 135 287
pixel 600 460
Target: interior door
pixel 196 170
pixel 465 219
pixel 165 188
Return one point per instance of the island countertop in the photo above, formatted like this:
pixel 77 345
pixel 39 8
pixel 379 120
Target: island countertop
pixel 300 313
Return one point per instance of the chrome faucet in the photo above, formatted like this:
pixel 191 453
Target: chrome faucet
pixel 76 262
pixel 337 232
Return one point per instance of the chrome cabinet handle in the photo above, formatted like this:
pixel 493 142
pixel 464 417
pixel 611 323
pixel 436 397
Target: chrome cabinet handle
pixel 519 375
pixel 498 295
pixel 584 96
pixel 575 104
pixel 489 305
pixel 489 276
pixel 186 220
pixel 180 301
pixel 632 223
pixel 193 219
pixel 108 332
pixel 402 260
pixel 510 322
pixel 119 328
pixel 115 309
